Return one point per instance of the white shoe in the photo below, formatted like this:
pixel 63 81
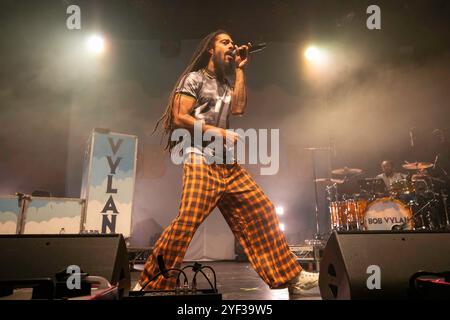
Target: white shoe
pixel 137 287
pixel 304 284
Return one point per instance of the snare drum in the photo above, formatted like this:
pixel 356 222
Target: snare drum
pixel 388 214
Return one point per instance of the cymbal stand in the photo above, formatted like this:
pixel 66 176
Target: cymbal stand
pixel 317 236
pixel 419 212
pixel 444 201
pixel 444 196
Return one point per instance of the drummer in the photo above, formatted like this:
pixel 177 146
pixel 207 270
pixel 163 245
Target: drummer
pixel 389 176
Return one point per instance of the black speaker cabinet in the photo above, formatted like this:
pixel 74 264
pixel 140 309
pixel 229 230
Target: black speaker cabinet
pixel 25 257
pixel 379 265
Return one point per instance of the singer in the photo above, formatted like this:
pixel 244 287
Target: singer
pixel 204 92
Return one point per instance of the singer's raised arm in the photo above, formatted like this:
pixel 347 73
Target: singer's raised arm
pixel 239 98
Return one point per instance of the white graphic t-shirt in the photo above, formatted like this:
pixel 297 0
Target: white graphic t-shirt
pixel 213 101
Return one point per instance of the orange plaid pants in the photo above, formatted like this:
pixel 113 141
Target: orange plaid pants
pixel 247 210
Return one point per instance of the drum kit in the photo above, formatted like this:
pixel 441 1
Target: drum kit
pixel 417 202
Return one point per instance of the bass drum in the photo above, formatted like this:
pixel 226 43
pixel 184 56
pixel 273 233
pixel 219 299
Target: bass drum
pixel 388 214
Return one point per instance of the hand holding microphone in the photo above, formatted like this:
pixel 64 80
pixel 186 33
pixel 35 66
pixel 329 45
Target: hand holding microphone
pixel 241 54
pixel 252 49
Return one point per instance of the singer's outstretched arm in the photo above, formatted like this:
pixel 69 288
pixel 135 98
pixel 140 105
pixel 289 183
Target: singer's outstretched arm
pixel 239 101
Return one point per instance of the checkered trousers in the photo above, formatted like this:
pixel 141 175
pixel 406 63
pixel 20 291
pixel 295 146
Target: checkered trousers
pixel 248 212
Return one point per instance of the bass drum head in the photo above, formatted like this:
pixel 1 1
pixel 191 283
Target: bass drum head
pixel 387 214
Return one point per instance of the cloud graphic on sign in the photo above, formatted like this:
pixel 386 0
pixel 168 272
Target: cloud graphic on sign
pixel 8 216
pixel 52 209
pixel 53 226
pixel 124 191
pixel 8 227
pixel 101 172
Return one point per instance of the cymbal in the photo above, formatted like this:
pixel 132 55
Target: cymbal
pixel 347 171
pixel 328 180
pixel 417 165
pixel 318 148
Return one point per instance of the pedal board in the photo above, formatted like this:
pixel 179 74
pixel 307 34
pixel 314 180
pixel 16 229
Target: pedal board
pixel 308 254
pixel 172 295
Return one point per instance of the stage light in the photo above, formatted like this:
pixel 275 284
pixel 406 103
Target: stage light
pixel 318 64
pixel 315 55
pixel 282 227
pixel 95 44
pixel 279 211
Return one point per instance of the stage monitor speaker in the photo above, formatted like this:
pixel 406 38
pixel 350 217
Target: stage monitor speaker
pixel 25 257
pixel 379 265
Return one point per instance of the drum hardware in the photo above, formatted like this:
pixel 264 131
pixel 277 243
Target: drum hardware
pixel 372 187
pixel 399 227
pixel 445 174
pixel 401 187
pixel 419 191
pixel 424 201
pixel 429 222
pixel 347 188
pixel 344 208
pixel 433 193
pixel 420 201
pixel 443 195
pixel 317 236
pixel 329 181
pixel 403 209
pixel 332 191
pixel 444 201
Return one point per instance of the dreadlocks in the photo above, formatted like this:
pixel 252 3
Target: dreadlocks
pixel 198 61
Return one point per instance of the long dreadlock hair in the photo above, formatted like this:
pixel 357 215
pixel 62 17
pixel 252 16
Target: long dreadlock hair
pixel 198 61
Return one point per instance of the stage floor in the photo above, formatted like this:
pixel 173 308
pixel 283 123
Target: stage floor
pixel 238 281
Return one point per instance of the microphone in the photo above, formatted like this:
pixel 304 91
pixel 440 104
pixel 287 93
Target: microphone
pixel 333 147
pixel 435 161
pixel 256 48
pixel 411 137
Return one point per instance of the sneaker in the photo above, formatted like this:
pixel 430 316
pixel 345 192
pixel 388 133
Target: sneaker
pixel 304 284
pixel 137 287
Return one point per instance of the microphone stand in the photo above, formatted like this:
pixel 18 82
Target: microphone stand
pixel 444 197
pixel 318 235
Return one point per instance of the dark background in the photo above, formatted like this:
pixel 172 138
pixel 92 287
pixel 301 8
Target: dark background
pixel 382 84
